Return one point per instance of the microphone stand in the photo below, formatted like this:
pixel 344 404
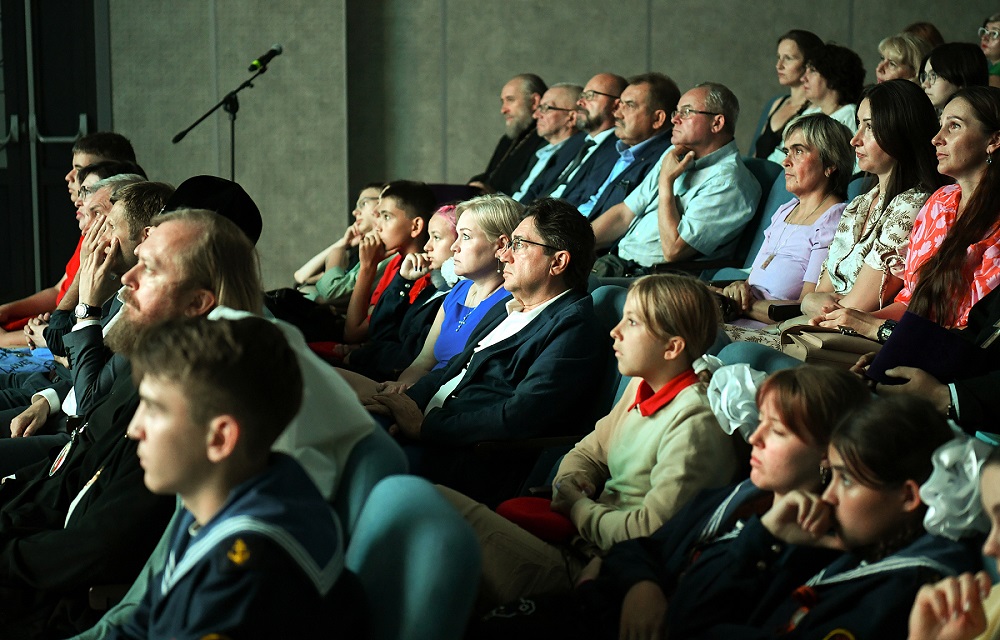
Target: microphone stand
pixel 230 104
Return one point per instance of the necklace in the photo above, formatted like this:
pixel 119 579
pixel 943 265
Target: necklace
pixel 779 245
pixel 465 318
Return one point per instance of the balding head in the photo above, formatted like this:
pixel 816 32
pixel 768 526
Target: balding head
pixel 596 106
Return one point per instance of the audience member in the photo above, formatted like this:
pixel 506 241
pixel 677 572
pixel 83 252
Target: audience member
pixel 405 312
pixel 818 167
pixel 952 261
pixel 951 67
pixel 404 209
pixel 555 122
pixel 518 100
pixel 658 447
pixel 794 48
pixel 779 573
pixel 892 144
pixel 537 367
pixel 642 121
pixel 697 201
pixel 485 224
pixel 595 117
pixel 261 549
pixel 901 57
pixel 832 83
pixel 989 42
pixel 329 274
pixel 93 148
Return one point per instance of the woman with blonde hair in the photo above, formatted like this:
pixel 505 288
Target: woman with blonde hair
pixel 901 56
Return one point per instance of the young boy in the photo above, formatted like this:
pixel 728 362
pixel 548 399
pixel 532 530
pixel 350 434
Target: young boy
pixel 404 210
pixel 258 551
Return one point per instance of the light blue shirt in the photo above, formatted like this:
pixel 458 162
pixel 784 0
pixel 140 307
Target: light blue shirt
pixel 626 158
pixel 598 140
pixel 543 156
pixel 716 197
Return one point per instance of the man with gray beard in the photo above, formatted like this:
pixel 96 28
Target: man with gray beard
pixel 516 149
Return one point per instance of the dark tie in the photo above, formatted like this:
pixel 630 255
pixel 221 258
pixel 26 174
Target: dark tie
pixel 572 166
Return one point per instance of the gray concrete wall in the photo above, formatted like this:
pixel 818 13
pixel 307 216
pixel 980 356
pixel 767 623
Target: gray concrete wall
pixel 172 61
pixel 383 89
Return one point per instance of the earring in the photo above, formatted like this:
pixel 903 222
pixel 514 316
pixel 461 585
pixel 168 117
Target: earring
pixel 499 266
pixel 989 158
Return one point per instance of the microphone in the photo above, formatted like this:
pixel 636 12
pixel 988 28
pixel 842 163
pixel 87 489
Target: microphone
pixel 262 61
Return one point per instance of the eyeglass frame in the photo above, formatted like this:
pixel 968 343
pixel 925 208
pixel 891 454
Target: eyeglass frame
pixel 929 78
pixel 545 108
pixel 994 34
pixel 516 242
pixel 687 112
pixel 584 95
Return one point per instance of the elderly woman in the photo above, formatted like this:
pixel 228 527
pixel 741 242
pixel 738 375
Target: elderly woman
pixel 818 165
pixel 951 67
pixel 793 49
pixel 901 56
pixel 953 261
pixel 833 81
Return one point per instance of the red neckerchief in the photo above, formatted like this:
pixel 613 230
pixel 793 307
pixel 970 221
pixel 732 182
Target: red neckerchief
pixel 419 285
pixel 650 402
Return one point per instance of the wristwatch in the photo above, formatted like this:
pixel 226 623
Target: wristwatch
pixel 83 311
pixel 884 331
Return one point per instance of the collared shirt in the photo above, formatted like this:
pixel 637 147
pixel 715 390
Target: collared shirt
pixel 543 155
pixel 598 140
pixel 715 197
pixel 516 320
pixel 649 402
pixel 626 158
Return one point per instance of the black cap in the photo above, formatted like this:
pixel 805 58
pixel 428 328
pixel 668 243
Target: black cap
pixel 225 197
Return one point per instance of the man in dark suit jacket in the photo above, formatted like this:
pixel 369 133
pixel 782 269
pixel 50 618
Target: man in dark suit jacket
pixel 555 122
pixel 594 117
pixel 642 120
pixel 538 367
pixel 516 149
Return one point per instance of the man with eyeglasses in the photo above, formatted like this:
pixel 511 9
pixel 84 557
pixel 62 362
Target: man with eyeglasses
pixel 595 158
pixel 516 149
pixel 555 122
pixel 695 204
pixel 538 366
pixel 642 122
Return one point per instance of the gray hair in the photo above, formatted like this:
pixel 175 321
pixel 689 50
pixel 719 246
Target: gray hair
pixel 116 182
pixel 833 141
pixel 574 90
pixel 720 99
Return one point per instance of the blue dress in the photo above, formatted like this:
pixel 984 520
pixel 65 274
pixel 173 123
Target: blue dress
pixel 460 320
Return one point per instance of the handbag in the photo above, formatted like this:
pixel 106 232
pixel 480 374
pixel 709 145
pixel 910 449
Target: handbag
pixel 820 345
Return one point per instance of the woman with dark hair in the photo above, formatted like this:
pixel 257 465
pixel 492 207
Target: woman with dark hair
pixel 865 265
pixel 777 577
pixel 953 259
pixel 832 83
pixel 794 48
pixel 951 67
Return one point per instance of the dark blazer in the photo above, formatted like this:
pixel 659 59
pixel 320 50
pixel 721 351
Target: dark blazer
pixel 559 160
pixel 397 330
pixel 592 173
pixel 978 401
pixel 509 160
pixel 95 368
pixel 629 179
pixel 47 561
pixel 550 379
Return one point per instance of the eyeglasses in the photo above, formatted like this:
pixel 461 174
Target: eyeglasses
pixel 545 108
pixel 515 244
pixel 590 94
pixel 992 34
pixel 687 112
pixel 928 78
